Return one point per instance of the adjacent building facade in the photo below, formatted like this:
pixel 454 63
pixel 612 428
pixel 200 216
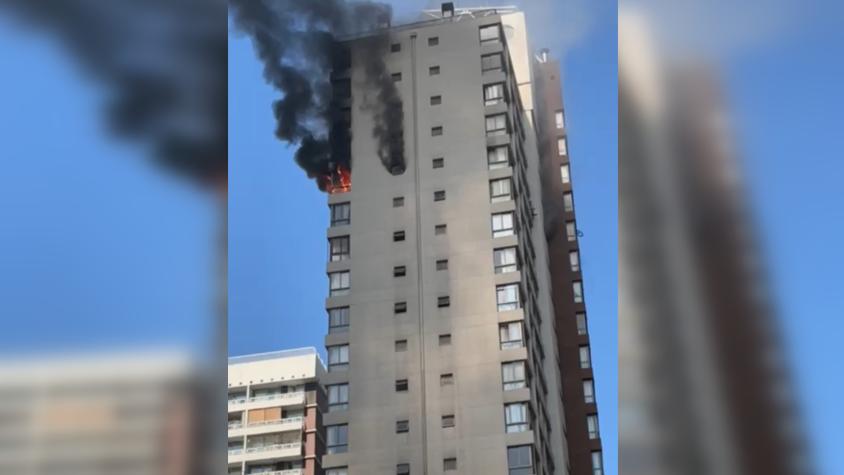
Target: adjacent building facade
pixel 454 311
pixel 274 413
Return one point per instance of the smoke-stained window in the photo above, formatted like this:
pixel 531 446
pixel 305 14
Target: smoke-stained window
pixel 493 94
pixel 516 417
pixel 496 125
pixel 502 224
pixel 338 357
pixel 505 260
pixel 338 283
pixel 510 335
pixel 341 214
pixel 498 157
pixel 500 190
pixel 338 248
pixel 513 375
pixel 490 34
pixel 338 320
pixel 507 297
pixel 491 62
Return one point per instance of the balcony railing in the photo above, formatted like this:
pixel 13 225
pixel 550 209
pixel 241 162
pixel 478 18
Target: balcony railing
pixel 235 425
pixel 272 397
pixel 287 420
pixel 268 448
pixel 236 451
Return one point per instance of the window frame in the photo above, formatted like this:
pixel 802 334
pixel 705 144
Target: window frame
pixel 500 265
pixel 505 290
pixel 577 291
pixel 559 120
pixel 565 173
pixel 505 335
pixel 515 383
pixel 339 291
pixel 499 129
pixel 520 469
pixel 343 314
pixel 495 39
pixel 338 219
pixel 589 396
pixel 562 147
pixel 495 88
pixel 515 426
pixel 496 196
pixel 498 164
pixel 339 253
pixel 504 231
pixel 339 446
pixel 342 362
pixel 499 67
pixel 584 354
pixel 342 390
pixel 574 260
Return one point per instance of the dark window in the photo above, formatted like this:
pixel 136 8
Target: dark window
pixel 434 70
pixel 433 41
pixel 442 264
pixel 400 307
pixel 448 421
pixel 403 469
pixel 436 100
pixel 398 236
pixel 399 271
pixel 402 427
pixel 401 345
pixel 445 339
pixel 395 47
pixel 449 464
pixel 439 195
pixel 439 162
pixel 436 131
pixel 520 460
pixel 446 379
pixel 440 229
pixel 398 201
pixel 396 77
pixel 443 301
pixel 401 385
pixel 491 62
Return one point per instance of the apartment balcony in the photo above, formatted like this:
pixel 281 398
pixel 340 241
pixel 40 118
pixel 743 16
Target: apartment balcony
pixel 258 402
pixel 263 427
pixel 269 453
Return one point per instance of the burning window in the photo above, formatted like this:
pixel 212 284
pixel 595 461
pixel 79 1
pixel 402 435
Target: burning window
pixel 337 181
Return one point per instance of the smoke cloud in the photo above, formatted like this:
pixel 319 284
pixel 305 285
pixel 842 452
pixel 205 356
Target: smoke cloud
pixel 296 42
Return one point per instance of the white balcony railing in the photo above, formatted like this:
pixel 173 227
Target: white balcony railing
pixel 235 451
pixel 273 397
pixel 287 420
pixel 268 448
pixel 235 425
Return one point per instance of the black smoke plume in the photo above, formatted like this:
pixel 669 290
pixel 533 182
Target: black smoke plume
pixel 163 66
pixel 296 40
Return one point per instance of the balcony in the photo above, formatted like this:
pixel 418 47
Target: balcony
pixel 288 451
pixel 286 399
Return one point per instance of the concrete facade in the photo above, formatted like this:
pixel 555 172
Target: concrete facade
pixel 425 337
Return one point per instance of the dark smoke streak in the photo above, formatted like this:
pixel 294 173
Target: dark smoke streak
pixel 295 41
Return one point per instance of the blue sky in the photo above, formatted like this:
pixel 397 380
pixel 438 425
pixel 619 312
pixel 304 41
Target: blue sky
pixel 277 218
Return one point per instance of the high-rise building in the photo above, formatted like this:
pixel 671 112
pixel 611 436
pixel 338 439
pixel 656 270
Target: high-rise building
pixel 456 322
pixel 275 407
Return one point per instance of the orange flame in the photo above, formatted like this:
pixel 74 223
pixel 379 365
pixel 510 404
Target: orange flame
pixel 338 182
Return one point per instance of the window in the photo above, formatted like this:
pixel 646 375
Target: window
pixel 516 417
pixel 434 70
pixel 513 375
pixel 338 248
pixel 564 173
pixel 443 301
pixel 340 214
pixel 433 41
pixel 400 307
pixel 568 201
pixel 580 318
pixel 577 289
pixel 592 426
pixel 401 345
pixel 498 157
pixel 403 469
pixel 438 162
pixel 338 283
pixel 398 236
pixel 496 125
pixel 571 231
pixel 436 100
pixel 507 297
pixel 491 62
pixel 561 147
pixel 338 397
pixel 401 385
pixel 399 271
pixel 502 224
pixel 439 195
pixel 337 439
pixel 445 339
pixel 396 77
pixel 505 260
pixel 449 464
pixel 395 47
pixel 398 201
pixel 337 471
pixel 574 261
pixel 559 120
pixel 510 334
pixel 439 229
pixel 500 190
pixel 588 391
pixel 490 34
pixel 446 379
pixel 597 464
pixel 402 427
pixel 338 357
pixel 436 131
pixel 520 460
pixel 338 320
pixel 493 94
pixel 442 264
pixel 585 357
pixel 448 421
